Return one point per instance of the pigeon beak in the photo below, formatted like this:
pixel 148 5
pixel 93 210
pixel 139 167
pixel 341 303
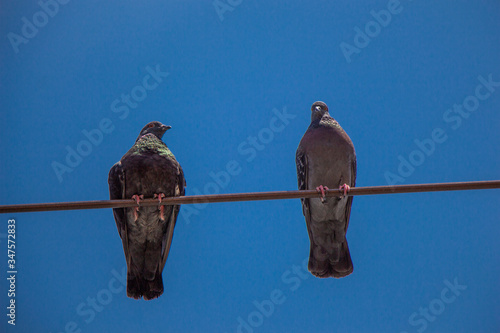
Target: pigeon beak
pixel 318 109
pixel 165 128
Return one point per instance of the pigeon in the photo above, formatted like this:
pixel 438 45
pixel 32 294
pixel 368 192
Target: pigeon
pixel 147 170
pixel 326 158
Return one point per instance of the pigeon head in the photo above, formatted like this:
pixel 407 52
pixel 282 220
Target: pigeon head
pixel 154 127
pixel 318 110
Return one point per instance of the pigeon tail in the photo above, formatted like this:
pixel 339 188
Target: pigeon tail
pixel 138 287
pixel 153 288
pixel 323 265
pixel 134 285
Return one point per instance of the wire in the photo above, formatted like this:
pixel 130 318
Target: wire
pixel 231 197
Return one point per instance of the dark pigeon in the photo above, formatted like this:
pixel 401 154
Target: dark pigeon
pixel 147 170
pixel 326 158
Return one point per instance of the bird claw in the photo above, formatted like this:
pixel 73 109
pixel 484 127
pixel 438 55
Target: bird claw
pixel 344 189
pixel 160 206
pixel 321 189
pixel 137 199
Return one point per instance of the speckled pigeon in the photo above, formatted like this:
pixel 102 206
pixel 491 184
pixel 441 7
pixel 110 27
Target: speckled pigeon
pixel 147 170
pixel 326 158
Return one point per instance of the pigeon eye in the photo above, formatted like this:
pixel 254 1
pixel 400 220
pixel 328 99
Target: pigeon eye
pixel 151 125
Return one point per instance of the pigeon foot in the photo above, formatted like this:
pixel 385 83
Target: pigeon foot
pixel 160 207
pixel 137 199
pixel 344 189
pixel 321 189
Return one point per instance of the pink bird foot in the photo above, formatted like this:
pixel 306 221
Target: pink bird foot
pixel 321 189
pixel 137 199
pixel 160 207
pixel 344 189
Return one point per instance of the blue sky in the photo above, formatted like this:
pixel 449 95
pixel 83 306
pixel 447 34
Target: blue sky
pixel 415 84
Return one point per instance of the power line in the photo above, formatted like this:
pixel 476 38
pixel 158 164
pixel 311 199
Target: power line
pixel 231 197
